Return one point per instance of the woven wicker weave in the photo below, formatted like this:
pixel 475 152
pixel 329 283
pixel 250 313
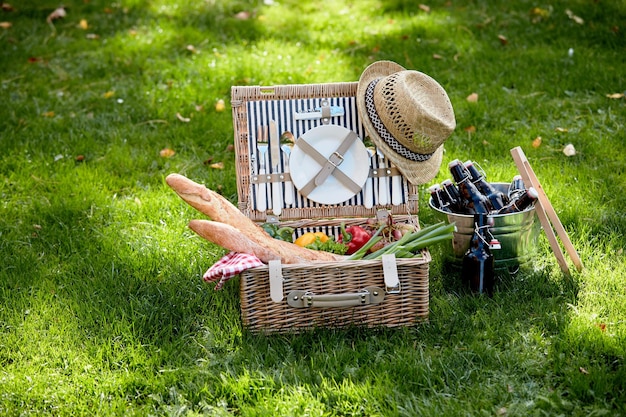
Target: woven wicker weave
pixel 254 106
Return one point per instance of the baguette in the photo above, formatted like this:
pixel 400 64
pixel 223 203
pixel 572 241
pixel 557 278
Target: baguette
pixel 230 238
pixel 221 210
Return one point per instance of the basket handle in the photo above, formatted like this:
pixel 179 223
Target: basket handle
pixel 306 299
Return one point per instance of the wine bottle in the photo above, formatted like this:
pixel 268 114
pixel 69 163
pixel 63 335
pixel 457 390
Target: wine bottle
pixel 516 187
pixel 521 202
pixel 478 269
pixel 472 200
pixel 436 196
pixel 497 199
pixel 450 193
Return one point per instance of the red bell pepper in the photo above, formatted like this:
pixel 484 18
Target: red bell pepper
pixel 354 236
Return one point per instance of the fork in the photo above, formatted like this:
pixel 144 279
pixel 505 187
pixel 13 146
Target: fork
pixel 383 186
pixel 368 191
pixel 287 140
pixel 261 189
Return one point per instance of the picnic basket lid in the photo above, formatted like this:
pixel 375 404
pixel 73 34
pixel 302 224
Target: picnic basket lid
pixel 255 107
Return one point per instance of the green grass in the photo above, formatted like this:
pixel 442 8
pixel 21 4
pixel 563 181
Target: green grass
pixel 102 306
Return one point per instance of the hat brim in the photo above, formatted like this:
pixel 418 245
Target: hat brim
pixel 415 172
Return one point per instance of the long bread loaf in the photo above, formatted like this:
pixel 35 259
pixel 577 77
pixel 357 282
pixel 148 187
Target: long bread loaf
pixel 221 210
pixel 230 238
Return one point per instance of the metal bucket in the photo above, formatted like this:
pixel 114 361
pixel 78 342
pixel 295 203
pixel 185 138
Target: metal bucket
pixel 517 233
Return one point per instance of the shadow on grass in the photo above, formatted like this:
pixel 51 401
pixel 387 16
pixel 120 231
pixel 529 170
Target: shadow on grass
pixel 132 300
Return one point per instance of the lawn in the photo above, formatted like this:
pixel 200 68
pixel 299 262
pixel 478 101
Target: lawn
pixel 103 310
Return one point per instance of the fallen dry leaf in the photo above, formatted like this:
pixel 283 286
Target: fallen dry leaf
pixel 243 15
pixel 539 13
pixel 92 36
pixel 615 96
pixel 575 18
pixel 472 98
pixel 7 7
pixel 182 118
pixel 503 39
pixel 5 25
pixel 601 326
pixel 437 56
pixel 83 24
pixel 220 106
pixel 80 158
pixel 108 94
pixel 217 165
pixel 560 130
pixel 48 114
pixel 536 142
pixel 583 371
pixel 230 148
pixel 569 150
pixel 424 8
pixel 470 129
pixel 167 153
pixel 57 14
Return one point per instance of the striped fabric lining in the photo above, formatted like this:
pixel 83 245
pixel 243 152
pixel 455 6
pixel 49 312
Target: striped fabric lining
pixel 260 113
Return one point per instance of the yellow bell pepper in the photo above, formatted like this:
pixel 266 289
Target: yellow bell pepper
pixel 310 237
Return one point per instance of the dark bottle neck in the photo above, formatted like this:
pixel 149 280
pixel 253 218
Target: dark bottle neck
pixel 458 171
pixel 482 223
pixel 474 174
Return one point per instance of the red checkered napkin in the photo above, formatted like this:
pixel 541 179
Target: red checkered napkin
pixel 231 264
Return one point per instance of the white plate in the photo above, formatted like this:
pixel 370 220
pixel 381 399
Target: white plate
pixel 326 139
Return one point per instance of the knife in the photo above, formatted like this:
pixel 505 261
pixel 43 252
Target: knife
pixel 316 113
pixel 368 190
pixel 277 192
pixel 396 190
pixel 383 188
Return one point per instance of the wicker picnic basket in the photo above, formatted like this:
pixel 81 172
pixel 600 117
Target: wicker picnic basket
pixel 293 297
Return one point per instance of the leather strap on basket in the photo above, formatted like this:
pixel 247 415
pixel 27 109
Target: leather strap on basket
pixel 390 273
pixel 276 280
pixel 329 165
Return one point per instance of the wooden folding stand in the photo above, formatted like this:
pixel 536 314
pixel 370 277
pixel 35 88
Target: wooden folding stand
pixel 546 213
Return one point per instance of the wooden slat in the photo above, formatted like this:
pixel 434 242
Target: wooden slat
pixel 547 214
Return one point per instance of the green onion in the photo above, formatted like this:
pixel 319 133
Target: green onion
pixel 415 241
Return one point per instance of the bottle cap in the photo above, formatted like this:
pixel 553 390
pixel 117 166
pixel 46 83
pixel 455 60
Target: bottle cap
pixel 494 244
pixel 454 163
pixel 434 188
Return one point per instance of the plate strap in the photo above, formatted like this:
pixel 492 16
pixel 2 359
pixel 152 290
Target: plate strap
pixel 329 165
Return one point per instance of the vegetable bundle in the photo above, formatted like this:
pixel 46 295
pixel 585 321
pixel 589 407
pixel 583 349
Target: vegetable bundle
pixel 409 245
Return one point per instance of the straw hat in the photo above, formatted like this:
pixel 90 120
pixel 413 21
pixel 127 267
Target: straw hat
pixel 408 115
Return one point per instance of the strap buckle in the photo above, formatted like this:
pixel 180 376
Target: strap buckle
pixel 337 161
